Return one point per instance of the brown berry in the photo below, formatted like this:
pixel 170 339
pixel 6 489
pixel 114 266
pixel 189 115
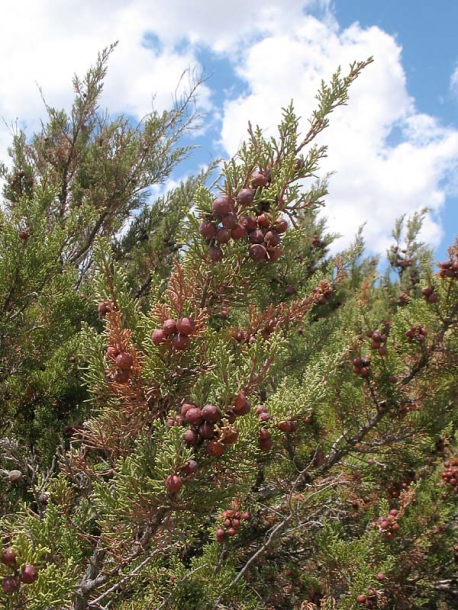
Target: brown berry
pixel 256 236
pixel 207 430
pixel 121 376
pixel 230 437
pixel 229 221
pixel 194 417
pixel 169 327
pixel 186 326
pixel 8 558
pixel 190 468
pixel 190 437
pixel 215 253
pixel 264 221
pixel 248 223
pixel 222 206
pixel 104 307
pixel 258 252
pixel 265 444
pixel 173 483
pixel 158 336
pixel 280 225
pixel 207 229
pixel 211 413
pixel 238 232
pixel 285 426
pixel 124 361
pixel 258 179
pixel 10 584
pixel 245 196
pixel 223 235
pixel 215 448
pixel 186 406
pixel 181 342
pixel 28 574
pixel 112 352
pixel 240 401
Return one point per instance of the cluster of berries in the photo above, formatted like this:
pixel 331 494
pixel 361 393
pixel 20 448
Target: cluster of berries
pixel 361 366
pixel 317 243
pixel 416 333
pixel 225 223
pixel 450 474
pixel 264 436
pixel 394 490
pixel 429 295
pixel 243 336
pixel 449 268
pixel 232 520
pixel 123 361
pixel 174 482
pixel 388 525
pixel 174 333
pixel 369 599
pixel 20 183
pixel 27 574
pixel 378 341
pixel 399 258
pixel 207 423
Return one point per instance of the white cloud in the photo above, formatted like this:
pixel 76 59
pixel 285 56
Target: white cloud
pixel 388 158
pixel 376 178
pixel 46 43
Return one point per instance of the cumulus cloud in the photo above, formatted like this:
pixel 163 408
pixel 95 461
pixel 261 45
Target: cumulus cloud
pixel 46 43
pixel 387 157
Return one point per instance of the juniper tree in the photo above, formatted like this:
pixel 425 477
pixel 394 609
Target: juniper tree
pixel 255 424
pixel 82 176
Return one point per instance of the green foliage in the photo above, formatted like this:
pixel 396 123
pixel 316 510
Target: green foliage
pixel 325 473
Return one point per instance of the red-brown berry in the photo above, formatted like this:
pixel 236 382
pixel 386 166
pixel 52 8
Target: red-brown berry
pixel 29 574
pixel 222 206
pixel 169 327
pixel 181 342
pixel 258 179
pixel 211 413
pixel 215 448
pixel 186 326
pixel 258 252
pixel 124 361
pixel 215 253
pixel 9 558
pixel 245 196
pixel 193 416
pixel 208 229
pixel 158 336
pixel 173 483
pixel 10 584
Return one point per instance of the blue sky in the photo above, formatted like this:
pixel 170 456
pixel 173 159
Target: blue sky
pixel 394 148
pixel 427 33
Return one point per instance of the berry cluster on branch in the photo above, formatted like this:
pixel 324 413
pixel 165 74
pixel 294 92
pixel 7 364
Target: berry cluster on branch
pixel 26 574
